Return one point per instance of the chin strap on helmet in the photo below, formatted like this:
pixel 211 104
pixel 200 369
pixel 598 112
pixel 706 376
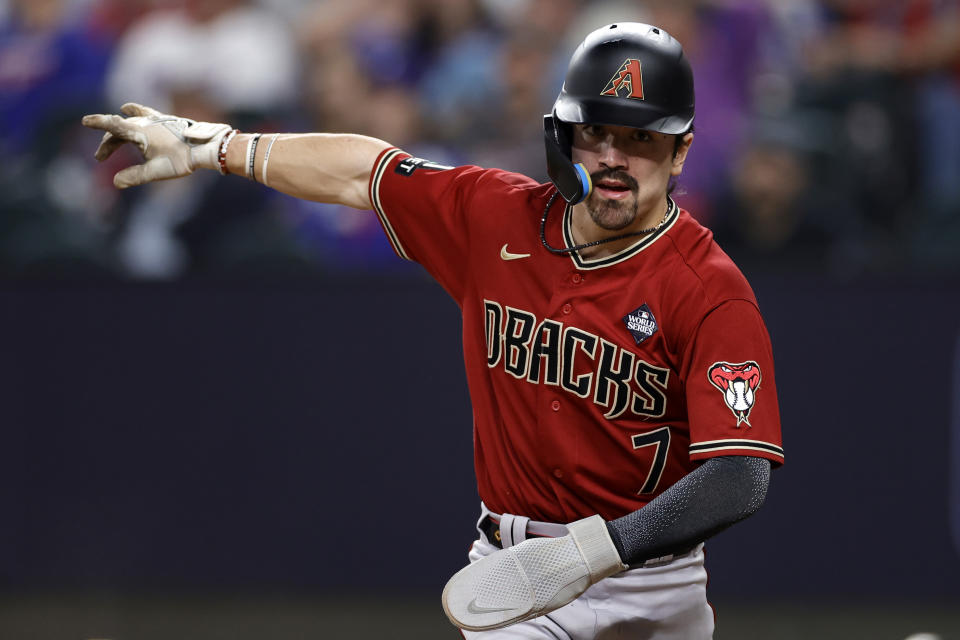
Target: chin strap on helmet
pixel 572 180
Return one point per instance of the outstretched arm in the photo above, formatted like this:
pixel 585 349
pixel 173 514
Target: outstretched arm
pixel 331 168
pixel 325 167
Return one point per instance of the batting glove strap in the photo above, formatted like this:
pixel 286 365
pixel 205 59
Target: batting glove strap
pixel 596 546
pixel 204 139
pixel 530 579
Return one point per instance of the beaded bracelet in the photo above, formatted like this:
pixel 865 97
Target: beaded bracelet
pixel 222 152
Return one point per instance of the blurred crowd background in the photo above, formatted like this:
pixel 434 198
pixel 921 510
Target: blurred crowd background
pixel 828 131
pixel 166 429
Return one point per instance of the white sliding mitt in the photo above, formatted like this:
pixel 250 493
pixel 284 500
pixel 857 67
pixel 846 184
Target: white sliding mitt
pixel 532 578
pixel 172 146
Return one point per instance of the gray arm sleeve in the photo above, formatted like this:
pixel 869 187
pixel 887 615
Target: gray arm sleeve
pixel 704 502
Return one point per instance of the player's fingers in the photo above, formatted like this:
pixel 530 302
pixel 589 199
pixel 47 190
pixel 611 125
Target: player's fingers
pixel 117 125
pixel 130 177
pixel 160 168
pixel 108 145
pixel 135 109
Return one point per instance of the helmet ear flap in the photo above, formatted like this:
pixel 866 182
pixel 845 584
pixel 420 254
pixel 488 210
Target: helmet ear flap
pixel 572 180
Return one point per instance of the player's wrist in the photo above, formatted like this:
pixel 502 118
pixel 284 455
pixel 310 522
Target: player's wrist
pixel 597 547
pixel 618 543
pixel 212 154
pixel 235 156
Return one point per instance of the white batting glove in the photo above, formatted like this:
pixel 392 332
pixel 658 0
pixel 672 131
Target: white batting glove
pixel 532 578
pixel 172 146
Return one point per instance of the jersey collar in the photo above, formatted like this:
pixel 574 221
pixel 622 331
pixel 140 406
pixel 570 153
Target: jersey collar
pixel 673 213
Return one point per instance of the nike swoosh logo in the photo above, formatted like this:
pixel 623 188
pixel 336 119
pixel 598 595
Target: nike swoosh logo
pixel 473 607
pixel 506 255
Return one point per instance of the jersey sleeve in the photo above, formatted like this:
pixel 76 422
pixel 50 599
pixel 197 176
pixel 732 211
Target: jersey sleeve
pixel 730 387
pixel 423 208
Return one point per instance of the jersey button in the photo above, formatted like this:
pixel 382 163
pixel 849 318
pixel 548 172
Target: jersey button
pixel 576 278
pixel 567 308
pixel 557 473
pixel 555 405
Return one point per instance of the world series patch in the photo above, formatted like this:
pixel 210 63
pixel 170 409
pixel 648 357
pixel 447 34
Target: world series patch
pixel 640 323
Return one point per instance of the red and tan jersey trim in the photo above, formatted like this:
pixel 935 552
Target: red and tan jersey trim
pixel 379 168
pixel 673 213
pixel 729 446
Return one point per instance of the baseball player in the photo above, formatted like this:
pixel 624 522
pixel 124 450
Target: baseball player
pixel 620 372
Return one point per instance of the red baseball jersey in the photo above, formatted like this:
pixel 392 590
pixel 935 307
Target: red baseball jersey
pixel 595 384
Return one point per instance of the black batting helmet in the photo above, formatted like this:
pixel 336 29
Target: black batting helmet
pixel 627 74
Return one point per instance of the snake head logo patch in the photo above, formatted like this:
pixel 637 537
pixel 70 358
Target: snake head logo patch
pixel 738 383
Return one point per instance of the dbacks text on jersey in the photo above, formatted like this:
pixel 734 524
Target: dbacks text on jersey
pixel 550 352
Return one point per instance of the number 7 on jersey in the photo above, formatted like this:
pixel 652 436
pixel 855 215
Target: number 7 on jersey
pixel 659 438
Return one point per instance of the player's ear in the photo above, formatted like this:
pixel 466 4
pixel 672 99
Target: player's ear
pixel 680 152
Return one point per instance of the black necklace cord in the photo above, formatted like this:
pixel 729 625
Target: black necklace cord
pixel 566 250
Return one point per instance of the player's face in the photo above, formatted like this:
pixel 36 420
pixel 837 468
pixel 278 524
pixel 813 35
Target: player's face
pixel 630 169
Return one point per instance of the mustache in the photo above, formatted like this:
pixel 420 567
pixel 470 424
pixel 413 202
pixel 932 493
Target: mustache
pixel 613 174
